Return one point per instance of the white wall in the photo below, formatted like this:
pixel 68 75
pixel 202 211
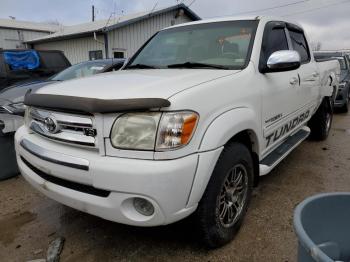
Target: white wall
pixel 12 38
pixel 76 50
pixel 132 37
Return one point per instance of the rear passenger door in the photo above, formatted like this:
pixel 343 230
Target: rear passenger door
pixel 280 96
pixel 308 71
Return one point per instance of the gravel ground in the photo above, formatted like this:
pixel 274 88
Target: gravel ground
pixel 29 221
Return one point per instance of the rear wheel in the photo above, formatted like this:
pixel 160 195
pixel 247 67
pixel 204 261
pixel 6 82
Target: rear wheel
pixel 345 107
pixel 226 198
pixel 321 122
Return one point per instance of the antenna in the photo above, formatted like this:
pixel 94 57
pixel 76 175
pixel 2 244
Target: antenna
pixel 154 7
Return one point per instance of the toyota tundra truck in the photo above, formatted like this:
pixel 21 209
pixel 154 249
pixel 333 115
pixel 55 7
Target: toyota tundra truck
pixel 195 117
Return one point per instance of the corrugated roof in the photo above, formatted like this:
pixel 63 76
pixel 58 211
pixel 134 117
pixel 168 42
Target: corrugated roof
pixel 73 31
pixel 25 25
pixel 81 29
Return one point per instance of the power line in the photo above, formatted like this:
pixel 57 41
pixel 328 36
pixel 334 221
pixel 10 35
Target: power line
pixel 315 9
pixel 191 3
pixel 271 8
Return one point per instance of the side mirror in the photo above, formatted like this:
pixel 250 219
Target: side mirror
pixel 285 60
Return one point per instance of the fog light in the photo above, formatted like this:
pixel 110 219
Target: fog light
pixel 143 206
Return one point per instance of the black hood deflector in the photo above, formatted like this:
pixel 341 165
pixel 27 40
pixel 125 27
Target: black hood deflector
pixel 93 105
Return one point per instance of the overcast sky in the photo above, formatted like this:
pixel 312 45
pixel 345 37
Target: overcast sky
pixel 328 22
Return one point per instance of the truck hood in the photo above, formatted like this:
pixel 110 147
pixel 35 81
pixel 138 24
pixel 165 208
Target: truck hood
pixel 128 84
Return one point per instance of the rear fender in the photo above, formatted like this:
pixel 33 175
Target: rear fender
pixel 331 86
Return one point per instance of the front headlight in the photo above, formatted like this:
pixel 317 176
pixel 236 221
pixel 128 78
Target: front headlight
pixel 176 129
pixel 153 130
pixel 135 131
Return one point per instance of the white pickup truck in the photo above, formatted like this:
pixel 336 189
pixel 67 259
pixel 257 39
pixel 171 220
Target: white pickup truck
pixel 188 126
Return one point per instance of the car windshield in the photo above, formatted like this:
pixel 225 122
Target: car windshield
pixel 342 63
pixel 219 45
pixel 80 70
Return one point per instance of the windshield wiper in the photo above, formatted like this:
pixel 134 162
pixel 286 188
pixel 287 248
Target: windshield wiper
pixel 197 65
pixel 140 66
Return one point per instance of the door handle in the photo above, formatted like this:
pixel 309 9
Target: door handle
pixel 293 81
pixel 315 74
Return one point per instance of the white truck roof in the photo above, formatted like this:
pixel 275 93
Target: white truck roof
pixel 235 18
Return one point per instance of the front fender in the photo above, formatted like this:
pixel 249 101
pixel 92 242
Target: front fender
pixel 228 124
pixel 218 133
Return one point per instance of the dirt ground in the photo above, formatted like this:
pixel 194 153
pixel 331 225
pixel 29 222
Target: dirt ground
pixel 29 220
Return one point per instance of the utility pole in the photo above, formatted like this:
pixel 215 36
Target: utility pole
pixel 93 13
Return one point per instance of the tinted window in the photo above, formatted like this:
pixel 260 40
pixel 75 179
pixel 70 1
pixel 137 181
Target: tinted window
pixel 276 41
pixel 53 60
pixel 300 45
pixel 2 65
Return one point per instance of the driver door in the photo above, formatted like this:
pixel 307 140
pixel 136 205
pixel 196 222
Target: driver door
pixel 280 96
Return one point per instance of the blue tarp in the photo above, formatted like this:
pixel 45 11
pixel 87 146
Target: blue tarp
pixel 22 59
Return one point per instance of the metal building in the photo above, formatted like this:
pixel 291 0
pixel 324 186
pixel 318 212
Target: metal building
pixel 15 33
pixel 116 37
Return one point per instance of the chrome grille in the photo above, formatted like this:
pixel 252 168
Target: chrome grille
pixel 63 127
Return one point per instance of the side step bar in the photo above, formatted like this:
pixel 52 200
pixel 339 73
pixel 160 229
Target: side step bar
pixel 276 156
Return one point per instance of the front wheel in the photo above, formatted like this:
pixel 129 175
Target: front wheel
pixel 321 122
pixel 226 198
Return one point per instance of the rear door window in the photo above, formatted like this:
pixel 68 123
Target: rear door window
pixel 300 45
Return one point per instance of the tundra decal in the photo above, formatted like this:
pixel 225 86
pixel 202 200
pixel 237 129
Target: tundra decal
pixel 279 132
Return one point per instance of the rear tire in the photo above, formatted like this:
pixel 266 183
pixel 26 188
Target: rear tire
pixel 345 107
pixel 224 204
pixel 321 122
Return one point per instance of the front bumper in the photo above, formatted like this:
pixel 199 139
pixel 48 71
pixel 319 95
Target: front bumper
pixel 167 184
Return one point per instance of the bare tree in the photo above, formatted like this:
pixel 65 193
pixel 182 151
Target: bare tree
pixel 53 22
pixel 316 46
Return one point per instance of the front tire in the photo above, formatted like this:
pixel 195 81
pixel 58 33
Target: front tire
pixel 224 204
pixel 321 122
pixel 8 163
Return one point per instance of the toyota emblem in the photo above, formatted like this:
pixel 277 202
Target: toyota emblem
pixel 51 125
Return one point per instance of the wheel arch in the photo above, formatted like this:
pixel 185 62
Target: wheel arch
pixel 239 122
pixel 250 140
pixel 238 125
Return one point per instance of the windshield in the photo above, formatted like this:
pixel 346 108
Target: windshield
pixel 220 44
pixel 342 63
pixel 80 70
